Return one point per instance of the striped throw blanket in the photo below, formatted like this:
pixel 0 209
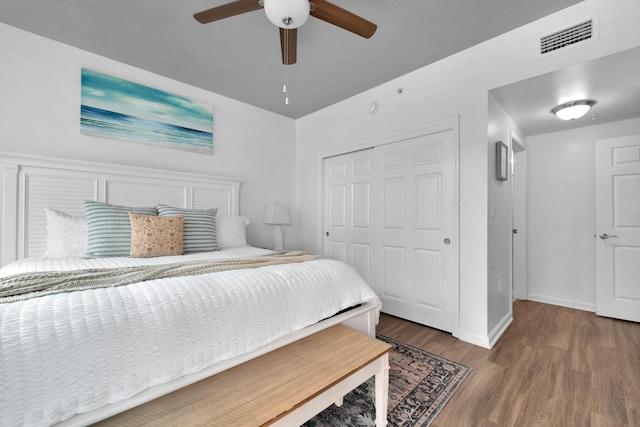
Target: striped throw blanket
pixel 35 284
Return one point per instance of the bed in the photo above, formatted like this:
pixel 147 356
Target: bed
pixel 76 357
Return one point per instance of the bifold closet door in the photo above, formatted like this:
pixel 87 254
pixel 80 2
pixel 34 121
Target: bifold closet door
pixel 348 210
pixel 413 213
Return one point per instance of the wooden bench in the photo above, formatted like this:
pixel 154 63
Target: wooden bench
pixel 285 387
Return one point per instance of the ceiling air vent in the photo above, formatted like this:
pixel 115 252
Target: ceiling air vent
pixel 567 37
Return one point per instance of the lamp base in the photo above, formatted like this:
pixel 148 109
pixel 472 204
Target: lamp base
pixel 278 238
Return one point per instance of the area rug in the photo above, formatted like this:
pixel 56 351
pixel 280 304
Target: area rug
pixel 420 384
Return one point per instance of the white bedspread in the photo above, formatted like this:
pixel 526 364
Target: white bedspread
pixel 71 353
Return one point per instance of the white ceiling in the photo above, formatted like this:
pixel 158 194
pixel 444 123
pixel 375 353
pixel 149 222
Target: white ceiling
pixel 612 81
pixel 239 57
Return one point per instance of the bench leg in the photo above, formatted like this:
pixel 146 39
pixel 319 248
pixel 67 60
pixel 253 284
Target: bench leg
pixel 382 392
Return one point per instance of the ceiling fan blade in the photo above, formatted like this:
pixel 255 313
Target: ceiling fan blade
pixel 289 45
pixel 342 18
pixel 227 10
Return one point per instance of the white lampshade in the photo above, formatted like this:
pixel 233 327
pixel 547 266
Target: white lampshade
pixel 573 110
pixel 287 14
pixel 277 214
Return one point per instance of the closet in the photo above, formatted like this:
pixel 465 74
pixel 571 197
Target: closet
pixel 391 212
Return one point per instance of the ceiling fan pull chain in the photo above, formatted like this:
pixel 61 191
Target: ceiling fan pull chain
pixel 285 70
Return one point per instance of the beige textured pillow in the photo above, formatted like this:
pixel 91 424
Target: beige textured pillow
pixel 156 235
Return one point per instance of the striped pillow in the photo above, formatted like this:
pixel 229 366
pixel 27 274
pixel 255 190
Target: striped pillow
pixel 109 228
pixel 199 228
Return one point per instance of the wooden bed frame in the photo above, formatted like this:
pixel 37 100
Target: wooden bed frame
pixel 31 183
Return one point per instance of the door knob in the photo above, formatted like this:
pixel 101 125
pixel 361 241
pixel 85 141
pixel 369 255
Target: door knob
pixel 605 236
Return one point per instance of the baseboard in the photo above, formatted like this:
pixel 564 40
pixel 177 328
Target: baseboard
pixel 563 302
pixel 490 340
pixel 475 339
pixel 502 326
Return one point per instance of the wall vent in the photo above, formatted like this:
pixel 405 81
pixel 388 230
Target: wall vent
pixel 567 37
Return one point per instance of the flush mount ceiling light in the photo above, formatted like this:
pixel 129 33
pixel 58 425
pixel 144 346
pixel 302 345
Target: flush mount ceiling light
pixel 573 109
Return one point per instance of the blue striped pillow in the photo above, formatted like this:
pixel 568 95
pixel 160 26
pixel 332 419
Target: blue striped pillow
pixel 109 228
pixel 199 228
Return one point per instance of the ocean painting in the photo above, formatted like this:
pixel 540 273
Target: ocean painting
pixel 120 109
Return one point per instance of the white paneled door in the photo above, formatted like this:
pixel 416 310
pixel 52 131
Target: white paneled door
pixel 348 210
pixel 390 213
pixel 413 226
pixel 618 227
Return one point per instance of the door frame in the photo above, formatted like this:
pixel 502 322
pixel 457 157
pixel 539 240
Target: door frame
pixel 449 123
pixel 518 216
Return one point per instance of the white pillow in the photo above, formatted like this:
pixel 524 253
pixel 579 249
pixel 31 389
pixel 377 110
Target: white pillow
pixel 66 234
pixel 231 231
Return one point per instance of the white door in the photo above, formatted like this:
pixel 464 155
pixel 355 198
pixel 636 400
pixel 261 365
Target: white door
pixel 348 210
pixel 518 219
pixel 618 227
pixel 413 229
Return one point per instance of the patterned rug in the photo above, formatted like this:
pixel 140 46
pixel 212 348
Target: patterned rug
pixel 420 384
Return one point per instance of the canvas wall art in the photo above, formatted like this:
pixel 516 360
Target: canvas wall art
pixel 119 109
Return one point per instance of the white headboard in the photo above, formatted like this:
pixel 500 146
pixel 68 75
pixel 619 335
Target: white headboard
pixel 31 183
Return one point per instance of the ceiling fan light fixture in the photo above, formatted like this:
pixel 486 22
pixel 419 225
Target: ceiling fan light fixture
pixel 287 14
pixel 573 109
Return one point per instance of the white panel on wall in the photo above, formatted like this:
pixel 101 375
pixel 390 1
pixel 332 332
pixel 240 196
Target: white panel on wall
pixel 361 193
pixel 205 198
pixel 428 190
pixel 337 200
pixel 393 199
pixel 393 263
pixel 428 273
pixel 124 192
pixel 362 260
pixel 49 190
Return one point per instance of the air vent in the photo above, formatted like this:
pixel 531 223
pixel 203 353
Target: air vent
pixel 566 37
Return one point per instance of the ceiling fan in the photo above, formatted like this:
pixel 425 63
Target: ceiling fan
pixel 289 15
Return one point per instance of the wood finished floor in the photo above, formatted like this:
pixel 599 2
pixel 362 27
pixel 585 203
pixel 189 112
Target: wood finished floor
pixel 554 366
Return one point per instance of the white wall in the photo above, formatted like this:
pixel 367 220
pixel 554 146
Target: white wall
pixel 39 114
pixel 455 86
pixel 561 201
pixel 499 224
